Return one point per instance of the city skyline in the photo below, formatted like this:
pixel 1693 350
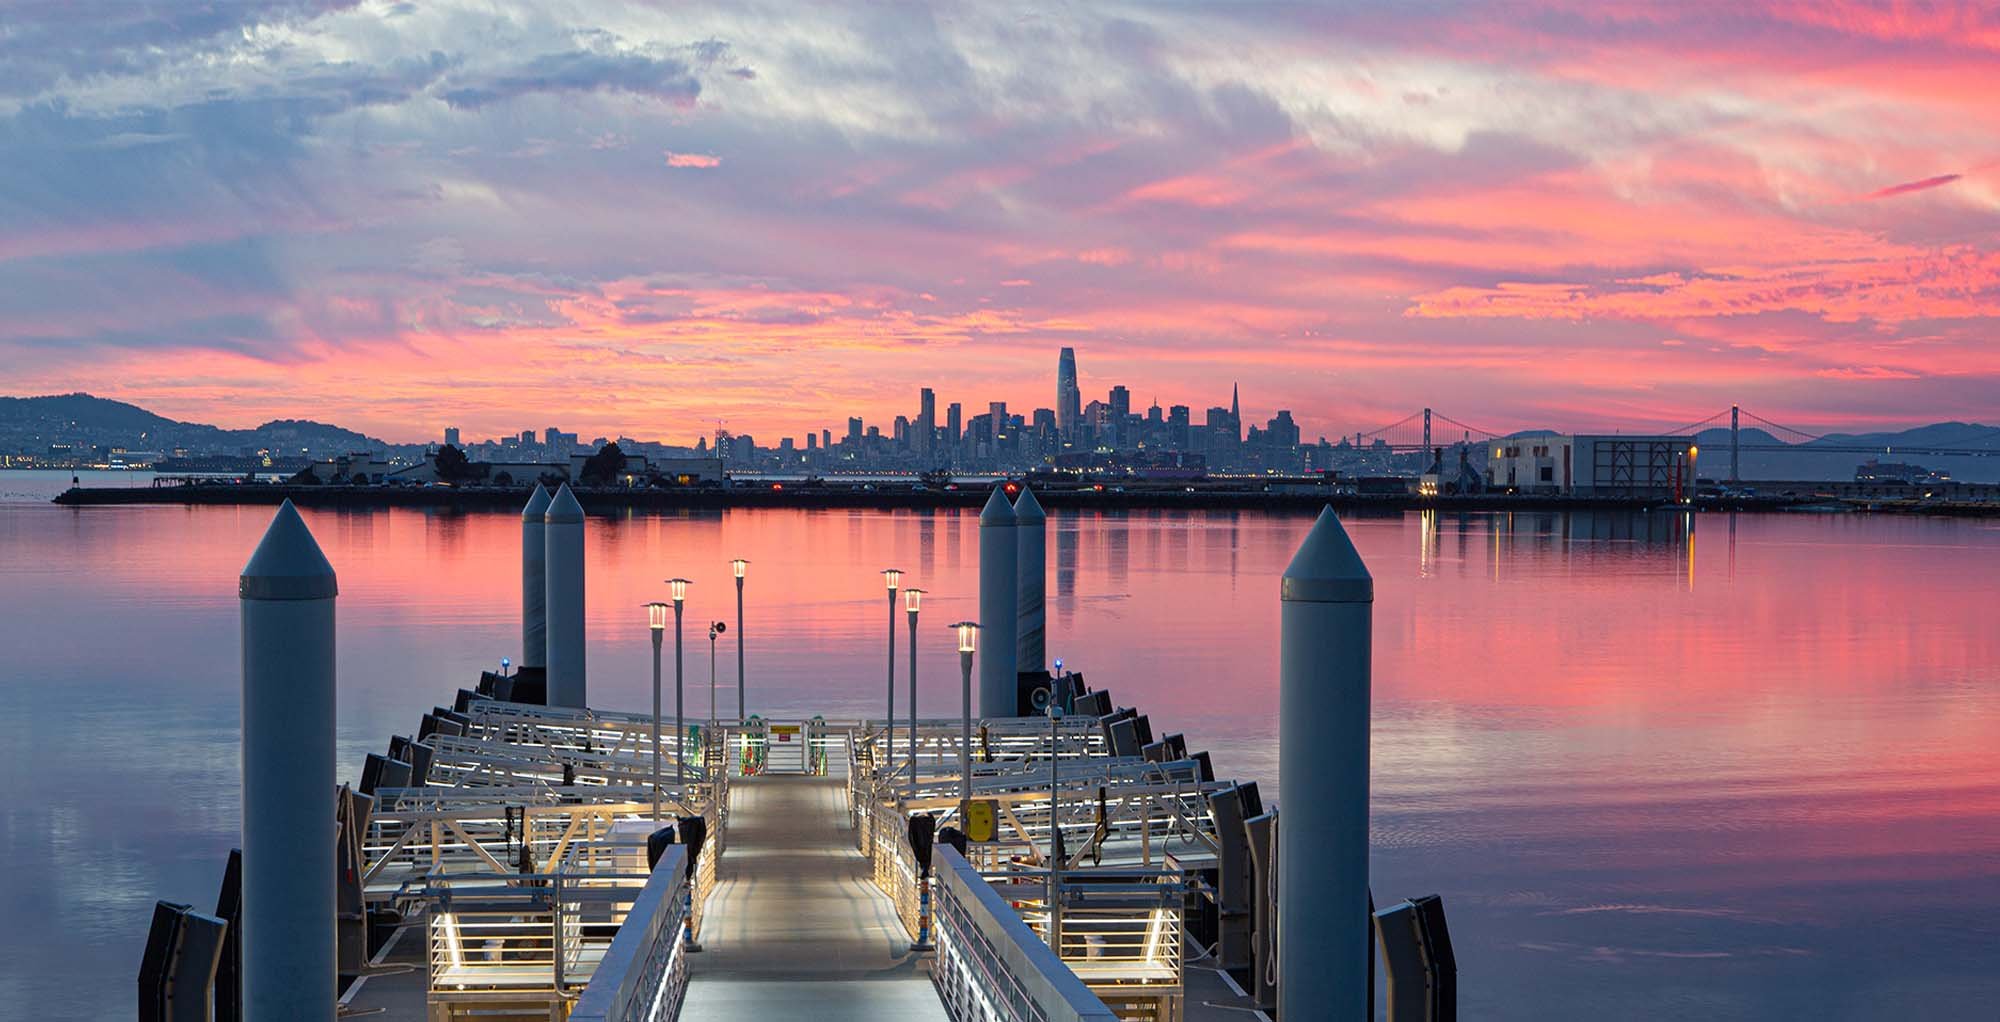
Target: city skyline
pixel 632 216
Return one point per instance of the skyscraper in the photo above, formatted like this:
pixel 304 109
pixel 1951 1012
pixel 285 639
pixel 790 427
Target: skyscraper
pixel 926 421
pixel 1069 405
pixel 451 436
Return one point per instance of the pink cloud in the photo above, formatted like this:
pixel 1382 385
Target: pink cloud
pixel 1913 186
pixel 693 160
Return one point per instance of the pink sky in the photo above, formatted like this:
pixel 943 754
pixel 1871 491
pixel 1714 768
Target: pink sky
pixel 1572 215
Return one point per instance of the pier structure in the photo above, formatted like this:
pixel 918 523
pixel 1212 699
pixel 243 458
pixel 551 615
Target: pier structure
pixel 504 860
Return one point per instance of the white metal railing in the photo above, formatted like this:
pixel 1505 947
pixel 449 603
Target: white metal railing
pixel 508 942
pixel 990 966
pixel 643 974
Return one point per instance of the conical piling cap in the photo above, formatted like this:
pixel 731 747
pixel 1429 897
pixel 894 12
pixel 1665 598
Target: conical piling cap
pixel 287 564
pixel 1028 510
pixel 563 508
pixel 538 505
pixel 1327 569
pixel 998 512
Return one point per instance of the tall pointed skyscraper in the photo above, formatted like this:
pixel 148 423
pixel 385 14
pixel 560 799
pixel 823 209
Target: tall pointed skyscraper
pixel 1069 404
pixel 1235 411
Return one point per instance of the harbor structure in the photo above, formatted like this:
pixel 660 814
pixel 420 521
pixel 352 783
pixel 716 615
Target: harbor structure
pixel 999 606
pixel 529 860
pixel 534 582
pixel 563 526
pixel 287 593
pixel 1031 571
pixel 1327 602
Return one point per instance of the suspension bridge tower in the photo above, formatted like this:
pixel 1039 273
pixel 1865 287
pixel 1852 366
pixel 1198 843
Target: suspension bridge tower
pixel 1735 447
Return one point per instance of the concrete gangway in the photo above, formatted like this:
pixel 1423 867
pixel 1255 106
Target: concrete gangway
pixel 796 927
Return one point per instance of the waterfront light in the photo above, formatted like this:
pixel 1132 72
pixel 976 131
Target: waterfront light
pixel 738 566
pixel 680 690
pixel 895 578
pixel 968 637
pixel 912 597
pixel 656 622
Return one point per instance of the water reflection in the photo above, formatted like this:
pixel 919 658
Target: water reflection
pixel 1643 793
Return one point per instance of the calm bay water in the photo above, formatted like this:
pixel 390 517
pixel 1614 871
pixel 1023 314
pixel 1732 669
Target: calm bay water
pixel 1659 767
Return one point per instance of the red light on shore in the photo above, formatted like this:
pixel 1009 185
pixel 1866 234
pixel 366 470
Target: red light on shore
pixel 1012 489
pixel 1100 489
pixel 777 486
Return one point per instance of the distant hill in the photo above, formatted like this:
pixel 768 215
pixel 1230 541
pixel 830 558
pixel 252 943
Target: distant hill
pixel 35 423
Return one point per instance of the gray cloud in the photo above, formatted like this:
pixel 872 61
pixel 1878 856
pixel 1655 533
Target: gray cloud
pixel 662 78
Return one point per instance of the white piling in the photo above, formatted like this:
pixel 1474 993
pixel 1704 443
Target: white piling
pixel 287 595
pixel 999 606
pixel 564 543
pixel 1032 546
pixel 1327 606
pixel 534 581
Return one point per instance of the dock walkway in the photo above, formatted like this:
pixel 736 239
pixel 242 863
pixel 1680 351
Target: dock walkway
pixel 796 928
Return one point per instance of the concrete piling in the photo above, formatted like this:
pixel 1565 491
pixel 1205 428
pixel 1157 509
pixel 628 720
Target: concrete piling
pixel 287 595
pixel 563 523
pixel 534 581
pixel 999 606
pixel 1032 554
pixel 1324 658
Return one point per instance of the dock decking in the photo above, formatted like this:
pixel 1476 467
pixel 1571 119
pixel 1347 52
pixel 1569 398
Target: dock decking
pixel 796 928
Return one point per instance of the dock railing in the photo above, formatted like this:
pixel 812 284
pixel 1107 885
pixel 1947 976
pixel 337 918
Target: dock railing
pixel 643 975
pixel 991 967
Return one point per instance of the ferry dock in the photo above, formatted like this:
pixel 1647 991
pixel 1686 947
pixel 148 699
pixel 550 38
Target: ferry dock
pixel 1046 855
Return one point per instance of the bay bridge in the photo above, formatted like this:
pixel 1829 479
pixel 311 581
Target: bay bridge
pixel 1420 432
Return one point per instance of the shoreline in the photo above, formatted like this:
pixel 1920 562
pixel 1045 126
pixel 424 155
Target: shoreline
pixel 607 499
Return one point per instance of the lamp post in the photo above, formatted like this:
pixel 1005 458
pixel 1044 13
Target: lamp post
pixel 680 727
pixel 656 621
pixel 1055 828
pixel 912 597
pixel 738 565
pixel 968 638
pixel 895 578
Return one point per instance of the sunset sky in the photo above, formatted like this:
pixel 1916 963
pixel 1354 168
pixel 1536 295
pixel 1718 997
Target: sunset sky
pixel 648 218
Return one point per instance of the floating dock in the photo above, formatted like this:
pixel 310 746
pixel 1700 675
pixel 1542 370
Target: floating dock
pixel 510 860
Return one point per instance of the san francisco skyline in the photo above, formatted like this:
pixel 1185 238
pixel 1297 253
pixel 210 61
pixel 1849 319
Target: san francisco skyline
pixel 629 216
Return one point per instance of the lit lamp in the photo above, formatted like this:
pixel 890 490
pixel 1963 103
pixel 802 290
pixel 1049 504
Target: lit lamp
pixel 894 578
pixel 680 586
pixel 912 598
pixel 738 566
pixel 656 621
pixel 968 638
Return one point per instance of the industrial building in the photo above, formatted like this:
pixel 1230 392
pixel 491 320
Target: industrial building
pixel 1594 465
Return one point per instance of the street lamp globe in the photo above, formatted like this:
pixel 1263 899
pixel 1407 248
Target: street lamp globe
pixel 912 598
pixel 656 615
pixel 895 577
pixel 680 589
pixel 968 635
pixel 738 565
